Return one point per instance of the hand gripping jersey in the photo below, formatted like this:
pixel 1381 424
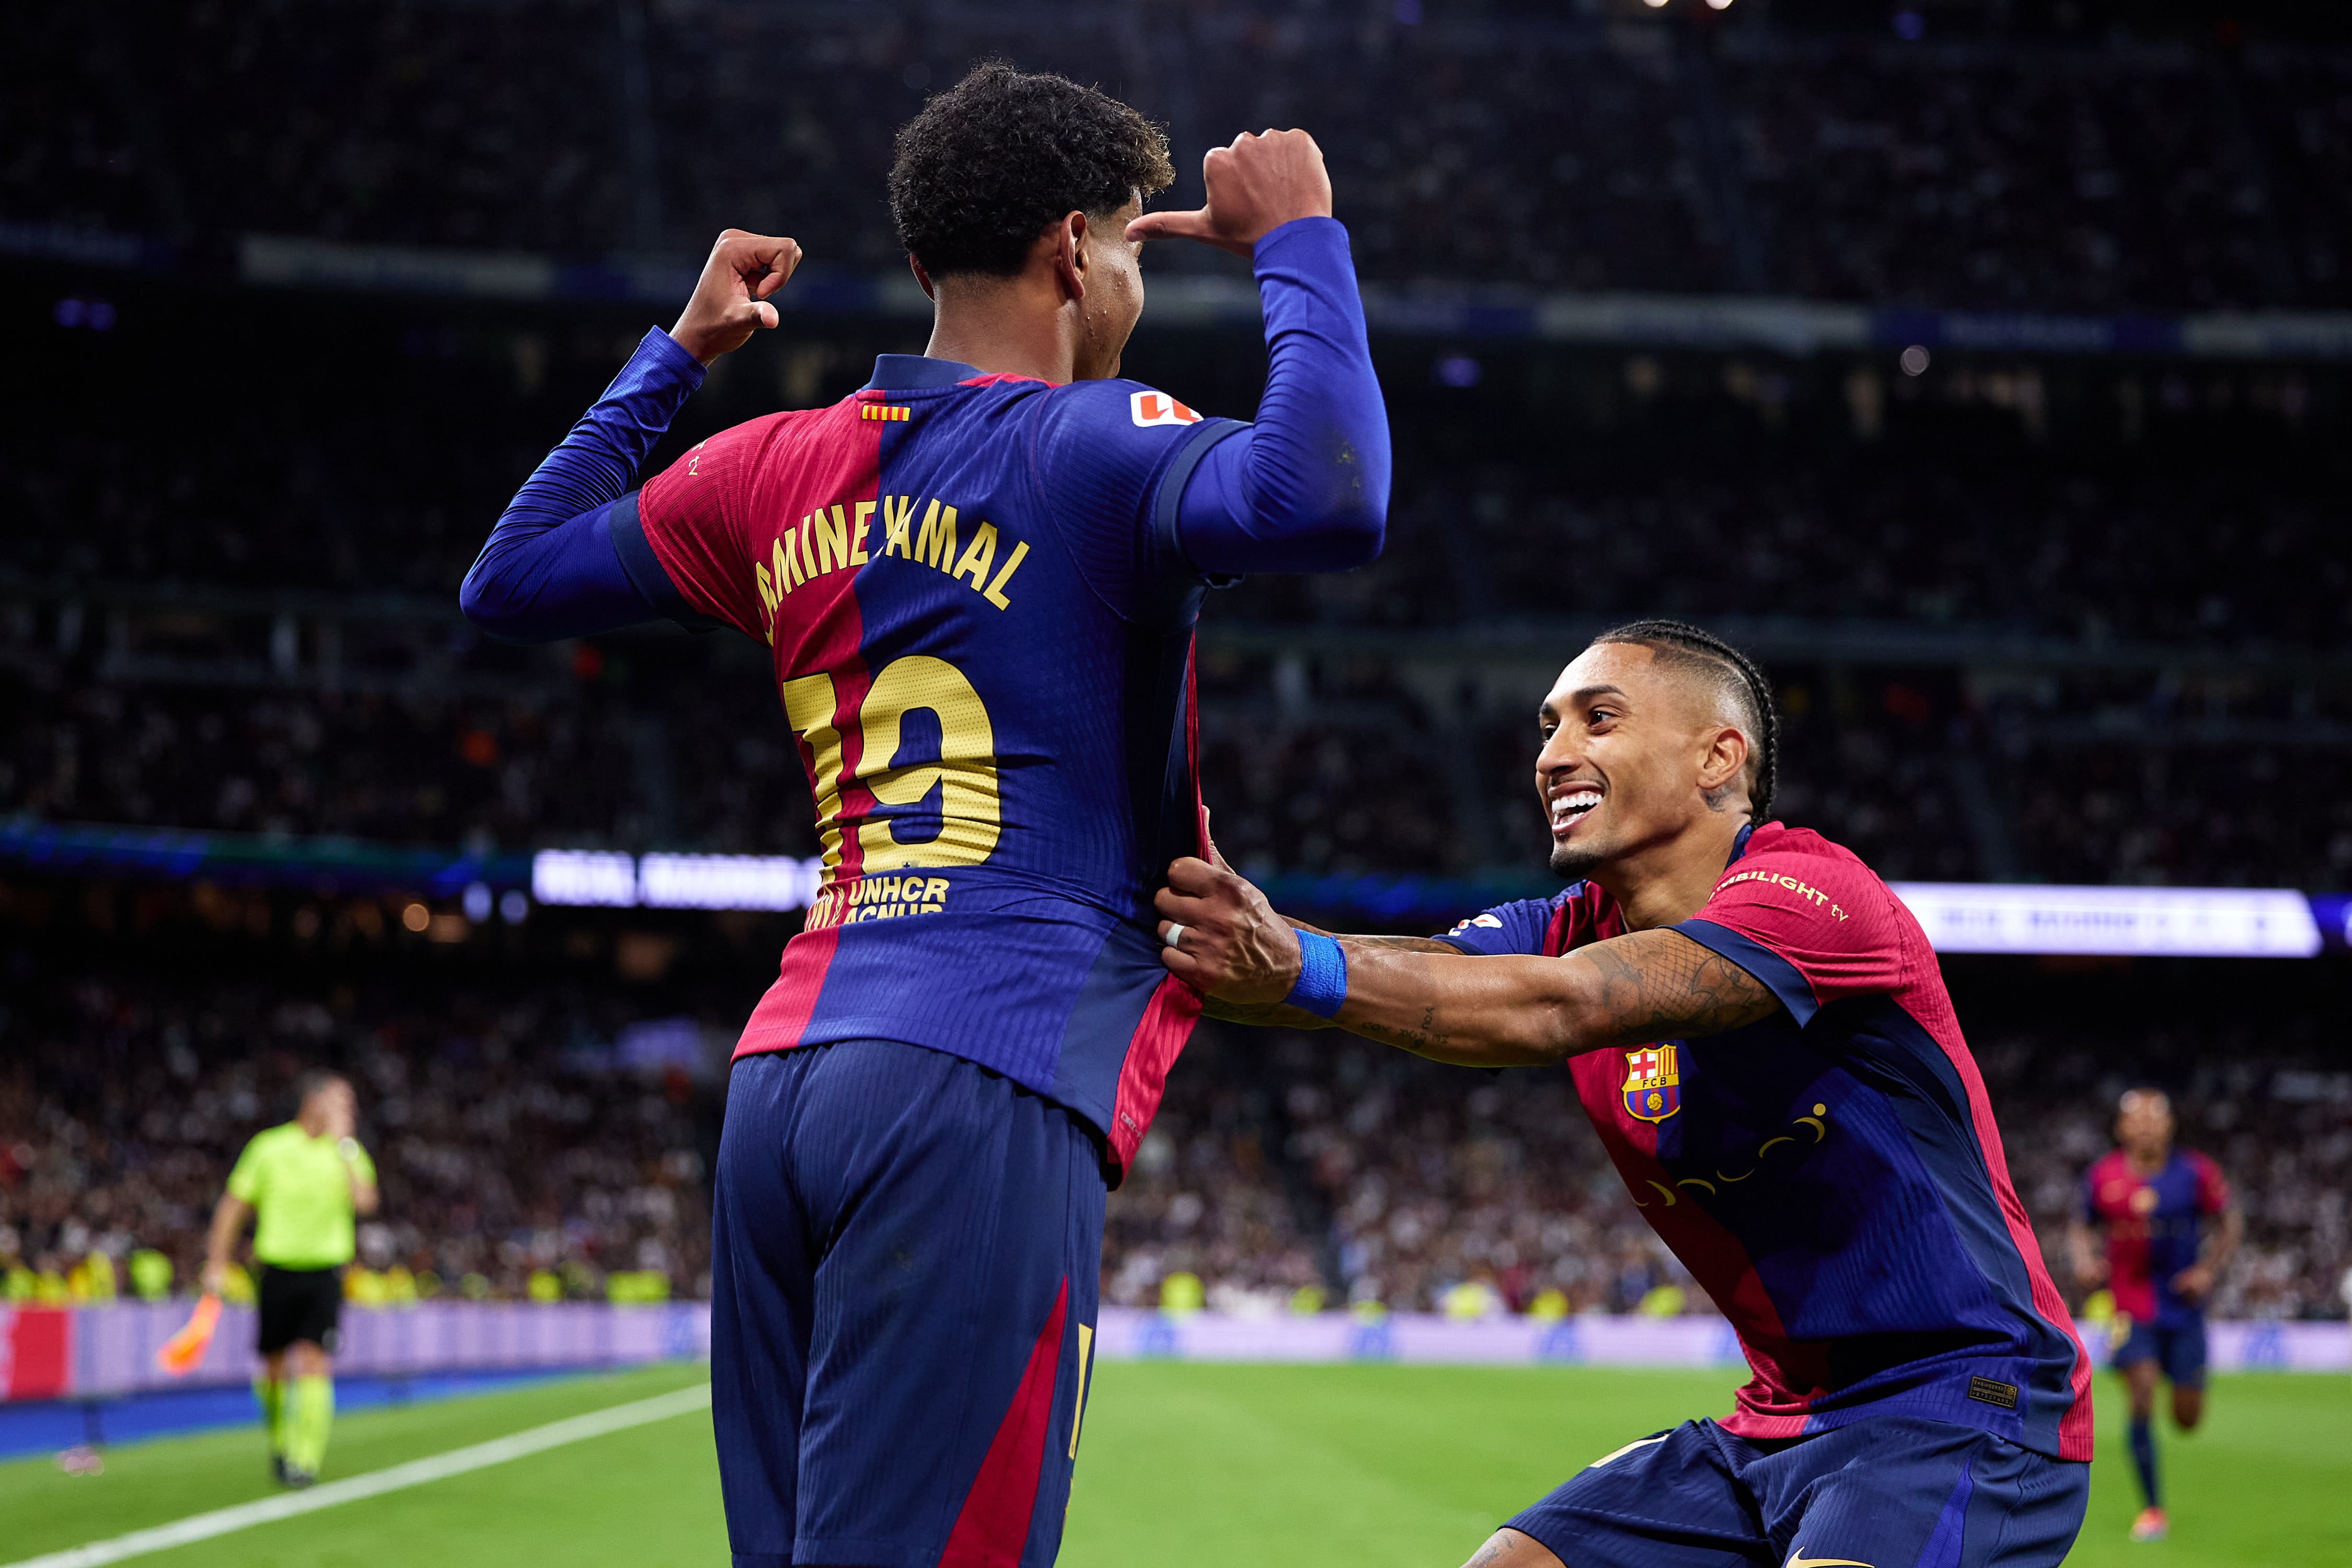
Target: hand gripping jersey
pixel 982 633
pixel 2152 1224
pixel 1831 1175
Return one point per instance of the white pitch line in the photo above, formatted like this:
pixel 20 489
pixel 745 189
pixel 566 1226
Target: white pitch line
pixel 375 1483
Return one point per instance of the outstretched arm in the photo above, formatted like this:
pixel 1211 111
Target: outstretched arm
pixel 1280 1015
pixel 552 567
pixel 1499 1012
pixel 1305 488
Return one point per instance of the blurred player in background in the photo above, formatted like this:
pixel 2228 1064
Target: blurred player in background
pixel 2161 1258
pixel 305 1179
pixel 1758 1031
pixel 979 576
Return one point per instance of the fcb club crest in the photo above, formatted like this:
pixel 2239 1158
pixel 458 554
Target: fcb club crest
pixel 1653 1083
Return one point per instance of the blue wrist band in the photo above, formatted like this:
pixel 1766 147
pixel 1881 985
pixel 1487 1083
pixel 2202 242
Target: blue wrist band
pixel 1322 976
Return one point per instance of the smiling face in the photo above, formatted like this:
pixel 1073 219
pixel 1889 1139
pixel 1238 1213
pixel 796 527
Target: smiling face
pixel 1635 751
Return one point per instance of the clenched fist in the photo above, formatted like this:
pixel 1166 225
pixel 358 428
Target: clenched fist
pixel 731 297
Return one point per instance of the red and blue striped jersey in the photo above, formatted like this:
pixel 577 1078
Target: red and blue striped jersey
pixel 982 632
pixel 1831 1175
pixel 2154 1230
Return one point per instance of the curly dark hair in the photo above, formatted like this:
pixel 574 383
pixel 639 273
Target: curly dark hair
pixel 992 161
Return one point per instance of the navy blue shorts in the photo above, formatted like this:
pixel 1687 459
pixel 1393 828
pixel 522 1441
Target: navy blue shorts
pixel 1893 1492
pixel 2177 1349
pixel 905 1253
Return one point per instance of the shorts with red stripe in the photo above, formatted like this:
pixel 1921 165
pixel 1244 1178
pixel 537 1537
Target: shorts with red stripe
pixel 906 1249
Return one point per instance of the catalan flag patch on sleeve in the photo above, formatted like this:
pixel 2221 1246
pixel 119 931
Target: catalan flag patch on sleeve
pixel 897 412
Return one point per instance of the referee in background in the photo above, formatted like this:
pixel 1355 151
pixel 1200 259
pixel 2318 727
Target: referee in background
pixel 305 1179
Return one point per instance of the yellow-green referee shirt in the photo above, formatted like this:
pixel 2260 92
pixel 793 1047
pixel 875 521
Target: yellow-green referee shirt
pixel 296 1186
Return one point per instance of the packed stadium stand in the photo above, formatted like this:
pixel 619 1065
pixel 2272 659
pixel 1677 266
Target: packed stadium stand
pixel 1412 1179
pixel 1539 150
pixel 2034 614
pixel 527 1128
pixel 518 1130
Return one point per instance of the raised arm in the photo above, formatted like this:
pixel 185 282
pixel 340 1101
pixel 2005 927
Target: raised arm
pixel 1306 488
pixel 1494 1012
pixel 552 567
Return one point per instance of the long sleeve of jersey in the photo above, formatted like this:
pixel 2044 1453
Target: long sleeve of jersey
pixel 1305 488
pixel 552 567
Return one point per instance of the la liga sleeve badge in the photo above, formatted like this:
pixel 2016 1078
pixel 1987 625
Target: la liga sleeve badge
pixel 1150 409
pixel 1653 1083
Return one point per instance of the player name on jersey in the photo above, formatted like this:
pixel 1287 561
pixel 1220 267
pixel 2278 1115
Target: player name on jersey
pixel 834 539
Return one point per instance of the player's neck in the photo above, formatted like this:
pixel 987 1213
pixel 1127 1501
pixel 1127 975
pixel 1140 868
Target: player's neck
pixel 1671 880
pixel 2148 1164
pixel 1023 325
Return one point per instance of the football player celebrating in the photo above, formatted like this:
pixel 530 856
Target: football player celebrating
pixel 979 576
pixel 2162 1259
pixel 1758 1030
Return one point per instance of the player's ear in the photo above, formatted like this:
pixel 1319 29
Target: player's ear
pixel 921 277
pixel 1725 759
pixel 1070 254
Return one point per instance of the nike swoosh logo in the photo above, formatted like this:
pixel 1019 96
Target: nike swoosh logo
pixel 1796 1562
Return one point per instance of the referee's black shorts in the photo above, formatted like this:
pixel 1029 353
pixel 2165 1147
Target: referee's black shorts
pixel 299 1304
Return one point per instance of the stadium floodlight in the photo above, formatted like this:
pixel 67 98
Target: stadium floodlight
pixel 1654 5
pixel 1718 5
pixel 2121 923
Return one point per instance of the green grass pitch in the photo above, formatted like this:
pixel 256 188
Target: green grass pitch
pixel 1234 1466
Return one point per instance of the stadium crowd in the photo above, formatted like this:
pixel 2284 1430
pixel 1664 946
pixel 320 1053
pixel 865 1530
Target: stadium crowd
pixel 2147 544
pixel 582 763
pixel 1415 1181
pixel 1535 149
pixel 516 1133
pixel 1924 773
pixel 530 1141
pixel 242 620
pixel 275 674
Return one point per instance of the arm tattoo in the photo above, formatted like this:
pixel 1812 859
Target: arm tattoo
pixel 1662 986
pixel 1498 1546
pixel 1424 1039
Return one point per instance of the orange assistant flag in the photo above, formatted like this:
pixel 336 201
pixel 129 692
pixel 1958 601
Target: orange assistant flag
pixel 185 1351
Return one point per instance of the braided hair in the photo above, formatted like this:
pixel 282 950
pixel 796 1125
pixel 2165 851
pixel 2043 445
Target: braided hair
pixel 1702 652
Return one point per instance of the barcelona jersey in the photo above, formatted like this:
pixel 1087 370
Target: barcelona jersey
pixel 2153 1225
pixel 1831 1175
pixel 982 626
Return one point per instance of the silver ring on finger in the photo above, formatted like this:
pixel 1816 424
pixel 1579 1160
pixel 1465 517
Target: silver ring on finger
pixel 1173 936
